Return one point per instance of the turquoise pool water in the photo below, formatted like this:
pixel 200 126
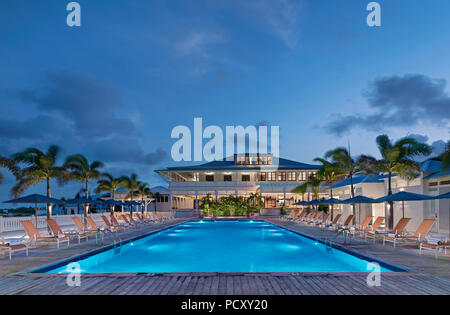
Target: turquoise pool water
pixel 222 246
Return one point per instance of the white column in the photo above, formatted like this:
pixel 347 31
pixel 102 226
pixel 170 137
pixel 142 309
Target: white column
pixel 217 196
pixel 170 201
pixel 196 200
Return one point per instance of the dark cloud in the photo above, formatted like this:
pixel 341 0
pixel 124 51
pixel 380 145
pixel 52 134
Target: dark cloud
pixel 399 101
pixel 77 112
pixel 35 128
pixel 87 102
pixel 124 149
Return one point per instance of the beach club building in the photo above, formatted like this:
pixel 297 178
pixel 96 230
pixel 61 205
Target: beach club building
pixel 432 182
pixel 243 175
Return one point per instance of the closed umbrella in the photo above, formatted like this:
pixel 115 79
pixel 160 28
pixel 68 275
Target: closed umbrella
pixel 35 199
pixel 404 196
pixel 359 200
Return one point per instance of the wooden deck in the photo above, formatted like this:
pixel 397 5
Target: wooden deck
pixel 325 284
pixel 429 276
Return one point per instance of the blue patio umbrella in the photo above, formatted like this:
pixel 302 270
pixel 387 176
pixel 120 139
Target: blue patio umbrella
pixel 300 203
pixel 35 199
pixel 359 200
pixel 404 196
pixel 444 196
pixel 331 201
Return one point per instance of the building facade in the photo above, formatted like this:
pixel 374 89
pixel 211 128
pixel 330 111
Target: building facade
pixel 242 175
pixel 432 182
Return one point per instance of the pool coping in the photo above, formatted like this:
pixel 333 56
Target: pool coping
pixel 41 271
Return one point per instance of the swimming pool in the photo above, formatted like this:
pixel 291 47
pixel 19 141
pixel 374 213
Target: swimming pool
pixel 222 246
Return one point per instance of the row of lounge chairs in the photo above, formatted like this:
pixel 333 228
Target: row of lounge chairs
pixel 372 231
pixel 111 224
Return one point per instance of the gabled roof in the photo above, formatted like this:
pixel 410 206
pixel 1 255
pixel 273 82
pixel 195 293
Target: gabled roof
pixel 224 165
pixel 160 189
pixel 433 166
pixel 438 174
pixel 359 179
pixel 430 165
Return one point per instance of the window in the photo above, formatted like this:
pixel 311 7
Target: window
pixel 209 178
pixel 271 177
pixel 262 177
pixel 227 178
pixel 292 176
pixel 433 184
pixel 282 177
pixel 303 175
pixel 447 182
pixel 245 178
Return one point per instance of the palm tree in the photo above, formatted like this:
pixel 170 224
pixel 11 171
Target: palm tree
pixel 312 183
pixel 156 196
pixel 79 169
pixel 255 200
pixel 349 166
pixel 9 164
pixel 108 183
pixel 39 167
pixel 330 172
pixel 445 158
pixel 144 191
pixel 396 158
pixel 131 184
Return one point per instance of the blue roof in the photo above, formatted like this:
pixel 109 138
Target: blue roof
pixel 358 179
pixel 438 174
pixel 430 165
pixel 225 165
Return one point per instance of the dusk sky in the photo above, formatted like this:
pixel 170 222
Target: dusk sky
pixel 114 88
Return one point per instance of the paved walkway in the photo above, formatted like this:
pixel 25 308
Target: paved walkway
pixel 429 276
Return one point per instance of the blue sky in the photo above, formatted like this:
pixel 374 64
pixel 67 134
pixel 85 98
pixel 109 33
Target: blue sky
pixel 114 88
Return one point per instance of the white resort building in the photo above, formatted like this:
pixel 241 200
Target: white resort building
pixel 246 174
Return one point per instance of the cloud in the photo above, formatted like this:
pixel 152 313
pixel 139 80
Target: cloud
pixel 399 101
pixel 200 48
pixel 279 17
pixel 86 102
pixel 35 128
pixel 77 112
pixel 197 43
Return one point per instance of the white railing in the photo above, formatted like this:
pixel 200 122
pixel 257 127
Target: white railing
pixel 12 224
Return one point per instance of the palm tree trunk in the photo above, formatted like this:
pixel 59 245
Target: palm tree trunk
pixel 49 195
pixel 111 208
pixel 353 196
pixel 131 207
pixel 86 207
pixel 331 206
pixel 390 212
